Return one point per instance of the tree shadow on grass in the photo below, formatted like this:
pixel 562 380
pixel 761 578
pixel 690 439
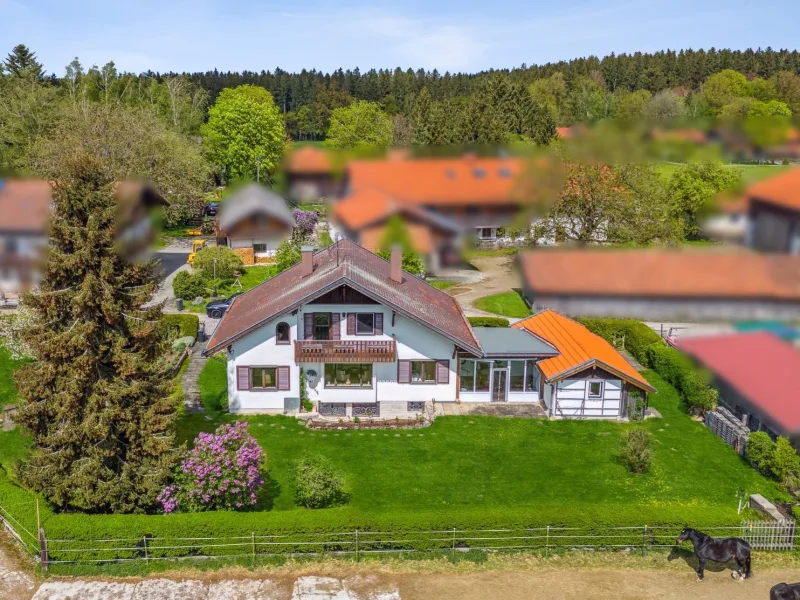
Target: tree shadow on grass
pixel 267 493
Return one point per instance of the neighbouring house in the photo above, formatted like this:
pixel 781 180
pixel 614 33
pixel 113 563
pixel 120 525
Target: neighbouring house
pixel 729 222
pixel 310 175
pixel 757 376
pixel 25 206
pixel 662 285
pixel 371 340
pixel 253 221
pixel 480 194
pixel 587 377
pixel 774 213
pixel 363 218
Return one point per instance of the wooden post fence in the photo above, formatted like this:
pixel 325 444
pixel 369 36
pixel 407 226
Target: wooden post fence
pixel 43 549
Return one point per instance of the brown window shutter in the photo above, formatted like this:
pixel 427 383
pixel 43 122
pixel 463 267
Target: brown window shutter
pixel 336 326
pixel 330 326
pixel 442 371
pixel 378 323
pixel 242 378
pixel 351 323
pixel 308 326
pixel 403 371
pixel 283 378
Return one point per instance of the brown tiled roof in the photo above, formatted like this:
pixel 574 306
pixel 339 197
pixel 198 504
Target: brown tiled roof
pixel 783 189
pixel 24 205
pixel 344 263
pixel 439 181
pixel 308 160
pixel 662 273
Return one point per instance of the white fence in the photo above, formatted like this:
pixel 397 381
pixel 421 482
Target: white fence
pixel 769 535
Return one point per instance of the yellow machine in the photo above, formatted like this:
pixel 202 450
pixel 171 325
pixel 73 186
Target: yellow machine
pixel 196 245
pixel 194 232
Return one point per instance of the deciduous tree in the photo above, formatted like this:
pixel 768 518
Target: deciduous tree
pixel 361 125
pixel 244 127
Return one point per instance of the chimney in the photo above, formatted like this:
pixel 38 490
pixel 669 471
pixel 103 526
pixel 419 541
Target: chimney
pixel 397 154
pixel 307 262
pixel 470 158
pixel 396 264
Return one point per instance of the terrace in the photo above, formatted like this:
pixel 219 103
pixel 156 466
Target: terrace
pixel 345 351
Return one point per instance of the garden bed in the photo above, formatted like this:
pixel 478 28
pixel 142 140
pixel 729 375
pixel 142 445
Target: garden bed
pixel 368 424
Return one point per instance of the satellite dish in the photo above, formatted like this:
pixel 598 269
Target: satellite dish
pixel 312 377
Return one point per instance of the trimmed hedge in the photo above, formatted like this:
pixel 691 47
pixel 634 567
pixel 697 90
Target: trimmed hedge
pixel 646 346
pixel 180 325
pixel 488 321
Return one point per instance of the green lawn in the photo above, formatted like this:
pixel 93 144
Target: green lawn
pixel 8 387
pixel 251 277
pixel 750 173
pixel 440 284
pixel 487 461
pixel 508 304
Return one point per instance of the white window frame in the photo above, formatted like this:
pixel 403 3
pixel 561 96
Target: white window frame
pixel 589 384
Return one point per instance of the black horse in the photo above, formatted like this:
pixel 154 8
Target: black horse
pixel 707 548
pixel 785 591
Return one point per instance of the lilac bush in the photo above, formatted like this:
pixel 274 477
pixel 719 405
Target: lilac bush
pixel 222 471
pixel 306 220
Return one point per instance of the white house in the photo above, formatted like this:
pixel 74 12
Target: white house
pixel 370 339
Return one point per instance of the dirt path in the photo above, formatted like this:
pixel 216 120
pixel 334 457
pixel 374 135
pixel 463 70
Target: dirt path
pixel 497 276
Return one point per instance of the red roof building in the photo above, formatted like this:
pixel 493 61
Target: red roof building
pixel 757 375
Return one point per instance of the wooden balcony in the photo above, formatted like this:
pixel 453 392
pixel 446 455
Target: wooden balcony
pixel 345 351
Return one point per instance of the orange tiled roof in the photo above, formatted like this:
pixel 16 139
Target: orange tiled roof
pixel 363 208
pixel 783 189
pixel 662 273
pixel 578 348
pixel 24 205
pixel 309 160
pixel 439 181
pixel 420 235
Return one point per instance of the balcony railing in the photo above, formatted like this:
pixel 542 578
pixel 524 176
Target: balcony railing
pixel 345 351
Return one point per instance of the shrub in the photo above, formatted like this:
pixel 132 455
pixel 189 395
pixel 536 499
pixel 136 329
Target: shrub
pixel 227 262
pixel 188 286
pixel 287 255
pixel 306 221
pixel 759 450
pixel 178 326
pixel 784 462
pixel 488 321
pixel 636 406
pixel 317 483
pixel 221 471
pixel 636 452
pixel 307 405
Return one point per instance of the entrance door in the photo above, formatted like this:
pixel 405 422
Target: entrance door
pixel 499 387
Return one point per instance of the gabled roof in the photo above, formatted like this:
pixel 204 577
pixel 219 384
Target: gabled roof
pixel 761 367
pixel 371 206
pixel 250 200
pixel 439 181
pixel 345 263
pixel 308 161
pixel 578 349
pixel 24 205
pixel 662 273
pixel 781 190
pixel 501 341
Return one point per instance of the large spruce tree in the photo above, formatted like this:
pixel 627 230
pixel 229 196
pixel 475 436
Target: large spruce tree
pixel 96 400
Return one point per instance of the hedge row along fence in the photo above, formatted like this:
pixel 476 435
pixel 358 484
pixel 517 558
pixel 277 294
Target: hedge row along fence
pixel 488 321
pixel 647 347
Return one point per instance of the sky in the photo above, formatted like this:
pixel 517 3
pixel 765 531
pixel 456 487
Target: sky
pixel 449 35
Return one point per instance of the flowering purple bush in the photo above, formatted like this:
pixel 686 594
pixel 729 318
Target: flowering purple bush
pixel 306 221
pixel 222 471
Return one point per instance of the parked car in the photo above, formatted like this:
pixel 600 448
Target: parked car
pixel 211 209
pixel 217 308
